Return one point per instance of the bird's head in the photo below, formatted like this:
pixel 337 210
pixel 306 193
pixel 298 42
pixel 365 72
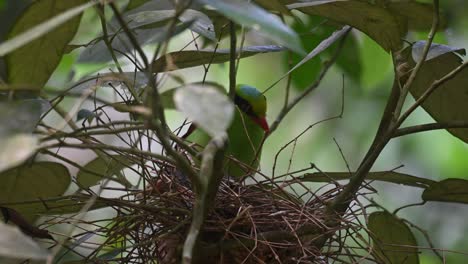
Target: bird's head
pixel 253 103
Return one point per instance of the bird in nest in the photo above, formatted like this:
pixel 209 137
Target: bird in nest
pixel 245 134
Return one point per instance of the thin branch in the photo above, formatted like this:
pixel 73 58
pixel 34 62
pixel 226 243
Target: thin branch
pixel 158 120
pixel 211 173
pixel 232 60
pixel 417 68
pixel 430 127
pixel 103 147
pixel 436 84
pixel 385 131
pixel 327 65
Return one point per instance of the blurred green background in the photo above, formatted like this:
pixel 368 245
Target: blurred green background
pixel 367 75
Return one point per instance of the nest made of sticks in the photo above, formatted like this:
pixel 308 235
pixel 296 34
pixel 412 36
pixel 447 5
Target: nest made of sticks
pixel 262 222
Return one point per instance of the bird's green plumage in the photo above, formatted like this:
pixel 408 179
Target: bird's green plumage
pixel 244 135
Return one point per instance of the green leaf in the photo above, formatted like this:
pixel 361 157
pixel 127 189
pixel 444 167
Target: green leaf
pixel 250 15
pixel 322 46
pixel 311 35
pixel 207 107
pixel 449 190
pixel 40 180
pixel 102 168
pixel 39 38
pixel 15 244
pixel 392 239
pixel 349 59
pixel 418 15
pixel 386 176
pixel 191 58
pixel 377 22
pixel 449 101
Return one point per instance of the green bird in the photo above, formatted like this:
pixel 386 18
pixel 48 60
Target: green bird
pixel 245 135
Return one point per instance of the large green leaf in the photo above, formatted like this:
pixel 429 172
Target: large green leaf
pixel 349 58
pixel 311 35
pixel 46 38
pixel 103 168
pixel 39 180
pixel 449 190
pixel 15 244
pixel 386 176
pixel 393 240
pixel 321 47
pixel 380 24
pixel 8 15
pixel 250 15
pixel 418 15
pixel 192 58
pixel 449 102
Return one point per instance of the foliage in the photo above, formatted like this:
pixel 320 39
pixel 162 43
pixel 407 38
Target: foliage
pixel 172 196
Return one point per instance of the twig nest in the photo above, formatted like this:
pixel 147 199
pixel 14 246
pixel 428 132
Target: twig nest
pixel 262 222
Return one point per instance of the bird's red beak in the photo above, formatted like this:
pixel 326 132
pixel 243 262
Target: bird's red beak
pixel 261 121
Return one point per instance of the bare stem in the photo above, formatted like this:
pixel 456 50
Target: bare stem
pixel 232 60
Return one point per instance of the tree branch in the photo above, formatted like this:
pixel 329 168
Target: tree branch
pixel 430 127
pixel 211 173
pixel 232 60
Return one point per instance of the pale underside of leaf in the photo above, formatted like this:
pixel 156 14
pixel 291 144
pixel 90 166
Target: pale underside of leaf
pixel 250 15
pixel 14 244
pixel 207 107
pixel 15 149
